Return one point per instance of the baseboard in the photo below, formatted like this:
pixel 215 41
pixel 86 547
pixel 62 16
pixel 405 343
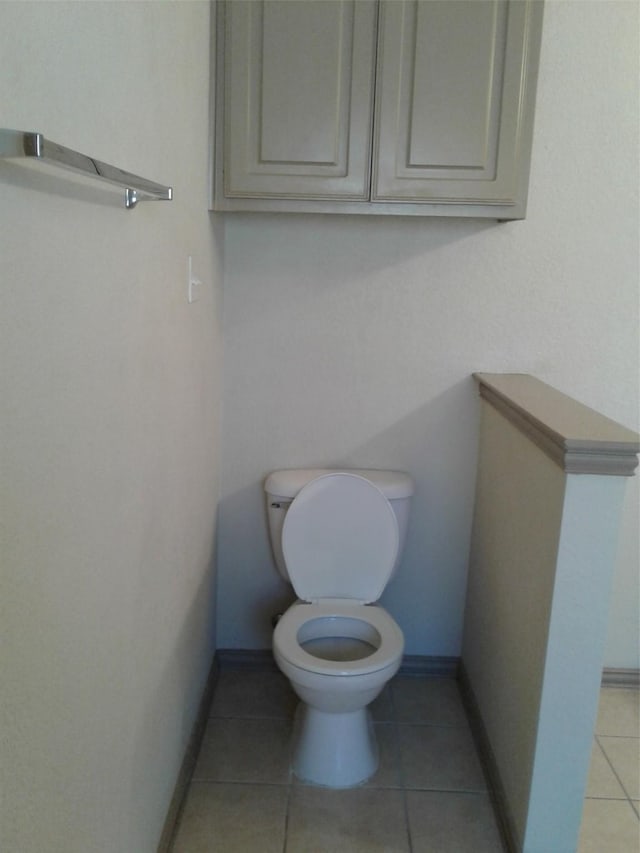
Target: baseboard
pixel 612 677
pixel 249 659
pixel 429 666
pixel 423 666
pixel 189 761
pixel 501 808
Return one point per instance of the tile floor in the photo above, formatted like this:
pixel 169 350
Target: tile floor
pixel 428 795
pixel 611 817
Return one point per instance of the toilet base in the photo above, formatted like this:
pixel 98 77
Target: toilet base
pixel 334 750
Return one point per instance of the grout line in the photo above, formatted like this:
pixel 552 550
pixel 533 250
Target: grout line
pixel 240 783
pixel 465 792
pixel 625 737
pixel 405 803
pixel 632 803
pixel 249 717
pixel 406 820
pixel 285 838
pixel 615 772
pixel 422 725
pixel 610 799
pixel 398 756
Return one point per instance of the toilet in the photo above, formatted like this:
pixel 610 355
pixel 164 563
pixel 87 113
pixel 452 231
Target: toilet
pixel 337 536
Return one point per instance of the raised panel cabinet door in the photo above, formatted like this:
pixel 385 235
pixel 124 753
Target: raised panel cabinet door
pixel 455 100
pixel 298 98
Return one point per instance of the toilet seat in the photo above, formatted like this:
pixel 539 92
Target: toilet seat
pixel 286 638
pixel 340 540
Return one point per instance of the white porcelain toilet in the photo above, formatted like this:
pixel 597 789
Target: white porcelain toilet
pixel 337 537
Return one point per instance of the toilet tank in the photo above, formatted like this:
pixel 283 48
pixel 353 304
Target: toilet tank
pixel 281 487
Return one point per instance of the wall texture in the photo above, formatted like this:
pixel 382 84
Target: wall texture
pixel 352 341
pixel 110 399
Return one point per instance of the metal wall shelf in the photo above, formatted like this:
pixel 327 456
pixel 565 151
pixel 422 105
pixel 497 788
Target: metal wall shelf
pixel 18 143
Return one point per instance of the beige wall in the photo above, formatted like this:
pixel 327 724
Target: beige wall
pixel 110 399
pixel 351 341
pixel 542 551
pixel 517 526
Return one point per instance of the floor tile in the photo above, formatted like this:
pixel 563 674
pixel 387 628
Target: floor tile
pixel 609 826
pixel 382 707
pixel 222 818
pixel 243 750
pixel 242 791
pixel 602 781
pixel 624 755
pixel 253 694
pixel 433 701
pixel 619 712
pixel 359 820
pixel 388 772
pixel 439 758
pixel 452 823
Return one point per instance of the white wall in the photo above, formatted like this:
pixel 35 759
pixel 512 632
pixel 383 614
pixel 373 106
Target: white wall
pixel 352 341
pixel 110 399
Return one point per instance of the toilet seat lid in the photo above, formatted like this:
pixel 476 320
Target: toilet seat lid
pixel 340 540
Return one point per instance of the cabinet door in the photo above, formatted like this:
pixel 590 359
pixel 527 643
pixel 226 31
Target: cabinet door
pixel 298 98
pixel 450 122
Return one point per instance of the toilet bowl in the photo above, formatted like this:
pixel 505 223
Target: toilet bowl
pixel 337 659
pixel 340 542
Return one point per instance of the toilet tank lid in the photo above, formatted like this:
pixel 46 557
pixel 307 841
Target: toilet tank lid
pixel 288 482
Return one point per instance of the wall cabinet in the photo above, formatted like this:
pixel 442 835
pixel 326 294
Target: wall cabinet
pixel 421 107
